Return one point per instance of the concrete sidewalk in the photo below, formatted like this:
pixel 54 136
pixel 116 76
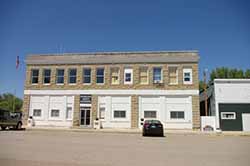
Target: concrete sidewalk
pixel 138 131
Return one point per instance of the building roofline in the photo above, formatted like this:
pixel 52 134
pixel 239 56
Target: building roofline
pixel 114 53
pixel 230 80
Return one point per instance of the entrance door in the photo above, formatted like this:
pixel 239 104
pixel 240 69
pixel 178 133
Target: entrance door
pixel 246 121
pixel 85 116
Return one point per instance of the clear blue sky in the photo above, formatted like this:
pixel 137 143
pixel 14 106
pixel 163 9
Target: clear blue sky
pixel 219 29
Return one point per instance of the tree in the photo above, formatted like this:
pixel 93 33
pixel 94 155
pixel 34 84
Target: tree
pixel 247 73
pixel 7 101
pixel 224 72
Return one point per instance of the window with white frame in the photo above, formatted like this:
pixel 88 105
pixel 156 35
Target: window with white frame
pixel 149 114
pixel 69 111
pixel 228 115
pixel 46 76
pixel 60 76
pixel 115 72
pixel 102 110
pixel 187 76
pixel 143 75
pixel 37 112
pixel 86 75
pixel 157 75
pixel 173 75
pixel 54 113
pixel 34 76
pixel 119 114
pixel 72 76
pixel 128 76
pixel 177 115
pixel 100 75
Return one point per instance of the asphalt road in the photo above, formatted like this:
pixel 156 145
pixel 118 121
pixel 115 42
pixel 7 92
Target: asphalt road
pixel 61 148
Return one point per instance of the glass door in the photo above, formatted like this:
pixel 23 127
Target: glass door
pixel 85 116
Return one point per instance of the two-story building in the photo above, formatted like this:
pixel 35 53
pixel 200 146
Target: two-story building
pixel 119 88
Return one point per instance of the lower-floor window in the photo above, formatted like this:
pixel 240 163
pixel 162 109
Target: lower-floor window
pixel 177 115
pixel 119 114
pixel 69 113
pixel 149 114
pixel 37 112
pixel 55 113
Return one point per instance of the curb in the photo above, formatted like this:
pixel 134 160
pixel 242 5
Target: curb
pixel 137 131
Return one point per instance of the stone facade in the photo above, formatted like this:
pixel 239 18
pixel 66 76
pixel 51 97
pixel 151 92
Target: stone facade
pixel 134 111
pixel 25 109
pixel 196 112
pixel 107 83
pixel 108 86
pixel 76 114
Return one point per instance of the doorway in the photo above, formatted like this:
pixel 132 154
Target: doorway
pixel 85 116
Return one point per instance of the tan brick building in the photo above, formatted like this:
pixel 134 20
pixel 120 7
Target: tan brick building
pixel 121 89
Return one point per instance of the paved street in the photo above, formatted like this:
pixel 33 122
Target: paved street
pixel 99 149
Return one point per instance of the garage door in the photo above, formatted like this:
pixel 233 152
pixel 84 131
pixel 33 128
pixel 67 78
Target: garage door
pixel 231 116
pixel 246 121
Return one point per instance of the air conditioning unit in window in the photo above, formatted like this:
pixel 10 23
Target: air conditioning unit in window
pixel 158 83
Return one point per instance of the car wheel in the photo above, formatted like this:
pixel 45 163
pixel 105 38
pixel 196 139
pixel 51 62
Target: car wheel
pixel 19 126
pixel 3 127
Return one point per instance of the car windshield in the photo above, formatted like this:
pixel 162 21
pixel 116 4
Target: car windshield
pixel 153 121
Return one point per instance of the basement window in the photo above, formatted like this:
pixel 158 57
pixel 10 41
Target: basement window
pixel 228 115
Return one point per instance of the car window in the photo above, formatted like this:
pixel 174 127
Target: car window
pixel 152 121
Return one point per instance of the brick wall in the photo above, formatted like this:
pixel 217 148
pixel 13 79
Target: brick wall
pixel 107 84
pixel 196 112
pixel 25 109
pixel 76 114
pixel 134 111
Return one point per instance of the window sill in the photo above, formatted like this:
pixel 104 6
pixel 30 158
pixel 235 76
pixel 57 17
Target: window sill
pixel 72 84
pixel 173 84
pixel 188 84
pixel 128 83
pixel 86 83
pixel 60 84
pixel 47 84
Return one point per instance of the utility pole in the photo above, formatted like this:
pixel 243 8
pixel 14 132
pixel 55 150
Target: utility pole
pixel 205 90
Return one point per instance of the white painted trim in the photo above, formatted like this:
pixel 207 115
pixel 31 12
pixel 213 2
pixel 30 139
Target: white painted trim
pixel 128 70
pixel 112 92
pixel 234 114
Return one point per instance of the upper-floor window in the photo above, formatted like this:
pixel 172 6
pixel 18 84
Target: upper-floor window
pixel 34 76
pixel 187 76
pixel 143 75
pixel 72 76
pixel 173 75
pixel 46 76
pixel 157 75
pixel 115 79
pixel 100 75
pixel 128 76
pixel 86 75
pixel 60 76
